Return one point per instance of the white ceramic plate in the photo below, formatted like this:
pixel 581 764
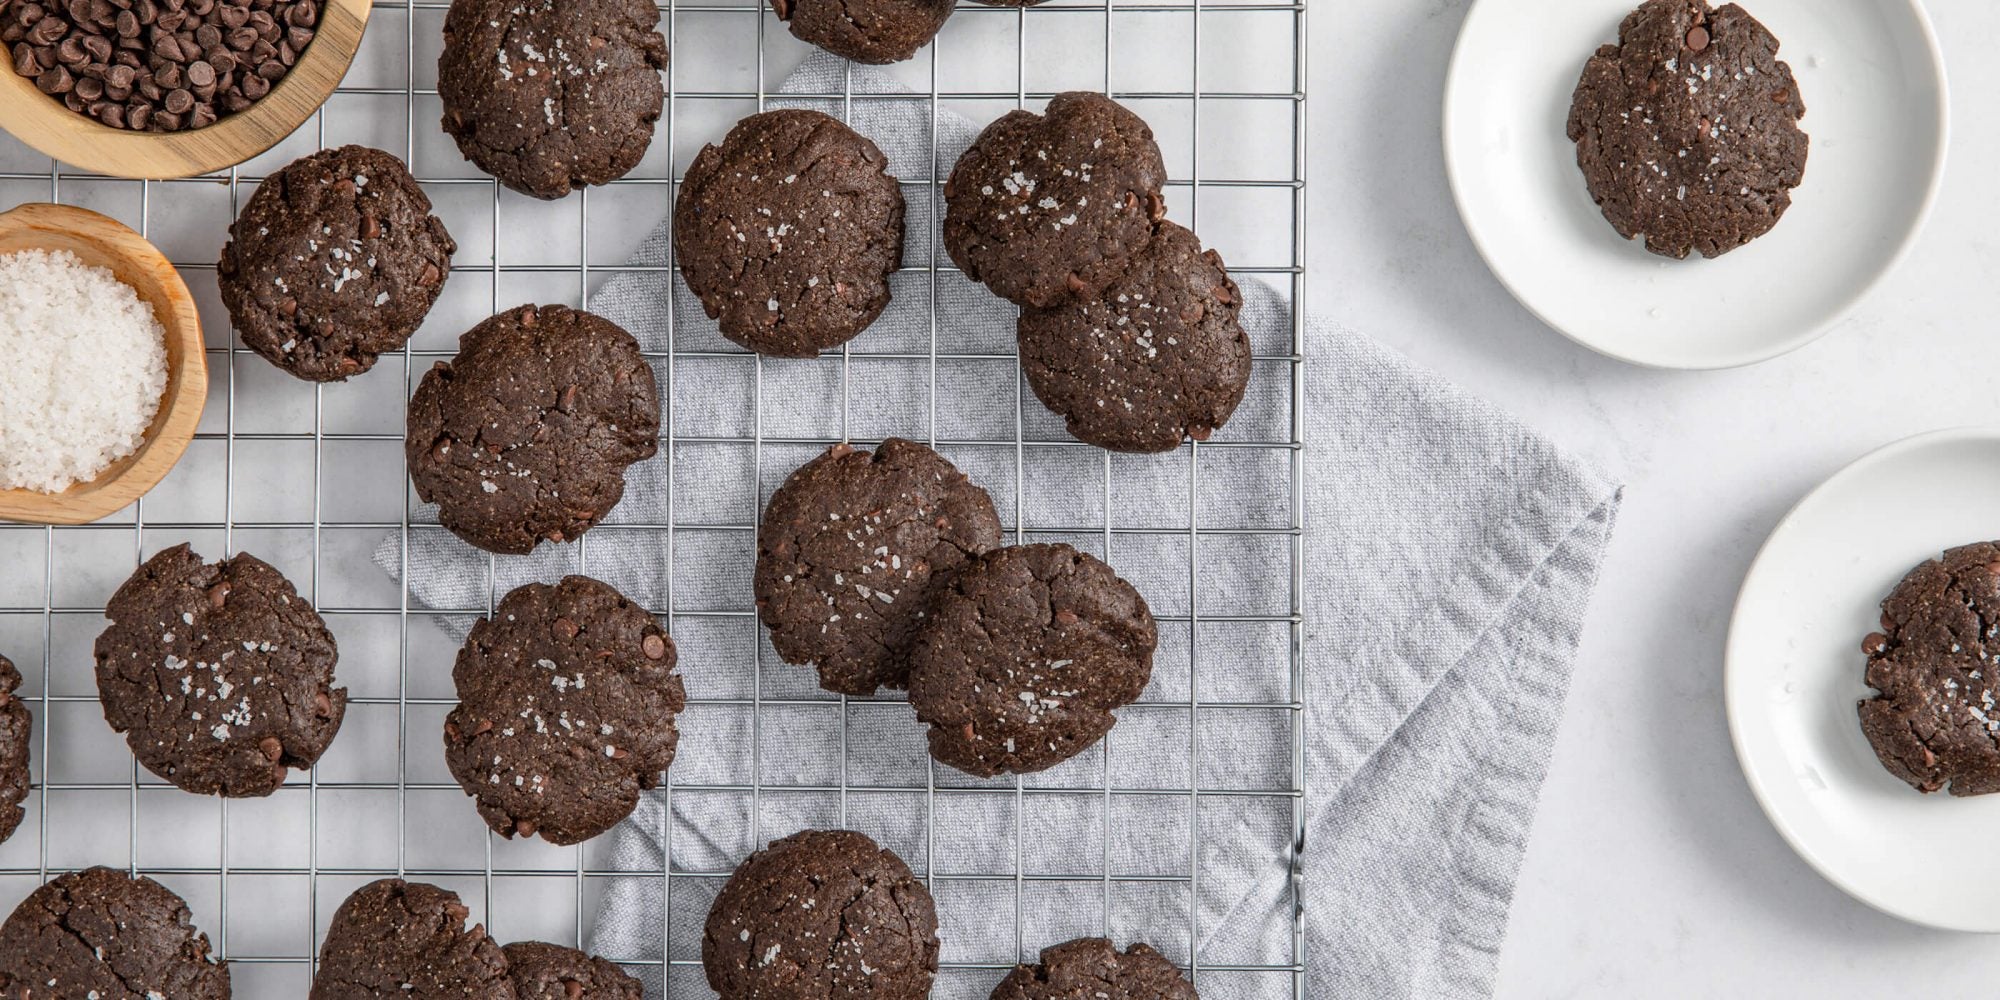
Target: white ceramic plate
pixel 1874 88
pixel 1793 675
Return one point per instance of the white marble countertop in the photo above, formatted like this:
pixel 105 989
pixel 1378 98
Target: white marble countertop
pixel 1652 872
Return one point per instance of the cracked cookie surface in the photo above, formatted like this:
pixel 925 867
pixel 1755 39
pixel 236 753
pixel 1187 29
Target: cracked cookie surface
pixel 1025 656
pixel 788 232
pixel 1934 721
pixel 16 732
pixel 821 915
pixel 851 550
pixel 543 971
pixel 408 940
pixel 567 698
pixel 1095 968
pixel 1156 357
pixel 549 96
pixel 335 260
pixel 1051 207
pixel 869 31
pixel 526 434
pixel 219 674
pixel 102 933
pixel 1687 130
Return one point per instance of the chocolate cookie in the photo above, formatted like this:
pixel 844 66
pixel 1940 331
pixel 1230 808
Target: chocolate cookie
pixel 851 550
pixel 16 727
pixel 567 698
pixel 397 940
pixel 219 675
pixel 1934 721
pixel 102 933
pixel 1024 657
pixel 1095 968
pixel 822 915
pixel 548 96
pixel 335 260
pixel 869 31
pixel 1051 207
pixel 1687 130
pixel 543 971
pixel 1156 357
pixel 788 232
pixel 526 434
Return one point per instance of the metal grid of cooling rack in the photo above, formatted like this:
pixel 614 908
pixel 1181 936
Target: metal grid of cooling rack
pixel 39 603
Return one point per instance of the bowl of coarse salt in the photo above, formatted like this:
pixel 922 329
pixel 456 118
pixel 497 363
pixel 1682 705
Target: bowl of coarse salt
pixel 105 374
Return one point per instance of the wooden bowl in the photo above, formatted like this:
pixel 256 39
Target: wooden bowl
pixel 81 141
pixel 99 240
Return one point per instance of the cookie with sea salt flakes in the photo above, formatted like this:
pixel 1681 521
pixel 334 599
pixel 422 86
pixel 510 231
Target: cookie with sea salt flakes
pixel 105 934
pixel 1687 130
pixel 1095 968
pixel 16 729
pixel 788 232
pixel 1047 208
pixel 1934 720
pixel 566 706
pixel 1156 357
pixel 868 31
pixel 334 261
pixel 219 674
pixel 543 971
pixel 852 548
pixel 1025 656
pixel 408 941
pixel 822 915
pixel 548 96
pixel 526 434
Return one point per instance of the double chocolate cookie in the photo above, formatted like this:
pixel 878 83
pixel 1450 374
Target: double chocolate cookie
pixel 335 260
pixel 220 675
pixel 788 232
pixel 851 551
pixel 102 933
pixel 548 96
pixel 1158 356
pixel 397 940
pixel 822 915
pixel 567 698
pixel 1687 130
pixel 16 729
pixel 1052 207
pixel 543 971
pixel 526 434
pixel 1095 968
pixel 1024 657
pixel 869 31
pixel 1934 721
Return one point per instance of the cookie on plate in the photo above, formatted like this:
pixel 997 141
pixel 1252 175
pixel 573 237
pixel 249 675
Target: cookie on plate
pixel 334 261
pixel 566 705
pixel 549 96
pixel 1095 968
pixel 1156 357
pixel 1051 207
pixel 219 674
pixel 16 729
pixel 851 549
pixel 1934 721
pixel 822 915
pixel 1024 657
pixel 543 971
pixel 397 940
pixel 102 933
pixel 868 31
pixel 788 232
pixel 1687 130
pixel 526 434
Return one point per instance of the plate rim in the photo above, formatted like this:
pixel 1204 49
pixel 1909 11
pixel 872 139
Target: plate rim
pixel 1454 77
pixel 1734 675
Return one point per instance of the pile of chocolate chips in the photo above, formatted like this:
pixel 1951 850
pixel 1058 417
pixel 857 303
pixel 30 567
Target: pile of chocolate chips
pixel 156 65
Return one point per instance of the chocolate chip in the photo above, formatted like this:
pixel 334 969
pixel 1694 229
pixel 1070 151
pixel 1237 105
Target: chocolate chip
pixel 55 81
pixel 1697 38
pixel 370 228
pixel 272 748
pixel 179 102
pixel 200 73
pixel 655 647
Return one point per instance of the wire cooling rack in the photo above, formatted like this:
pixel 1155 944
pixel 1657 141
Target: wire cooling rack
pixel 311 478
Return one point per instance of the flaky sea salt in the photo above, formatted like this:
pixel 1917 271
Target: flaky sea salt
pixel 86 365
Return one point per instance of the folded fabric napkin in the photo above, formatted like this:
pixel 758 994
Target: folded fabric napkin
pixel 1449 553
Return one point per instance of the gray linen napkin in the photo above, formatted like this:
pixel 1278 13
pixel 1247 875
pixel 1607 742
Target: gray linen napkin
pixel 1449 556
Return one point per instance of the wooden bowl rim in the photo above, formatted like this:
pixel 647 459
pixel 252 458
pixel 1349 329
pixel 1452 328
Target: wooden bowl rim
pixel 181 403
pixel 83 142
